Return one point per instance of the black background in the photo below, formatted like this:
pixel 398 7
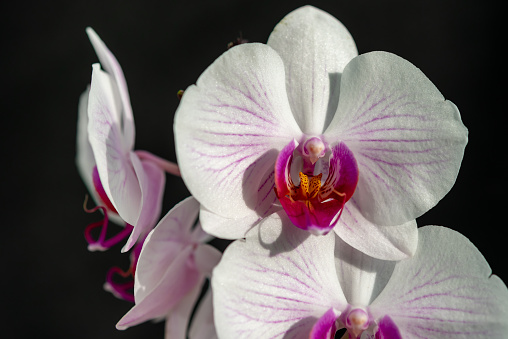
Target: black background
pixel 51 285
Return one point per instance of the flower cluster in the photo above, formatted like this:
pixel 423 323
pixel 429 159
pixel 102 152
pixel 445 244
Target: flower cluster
pixel 315 161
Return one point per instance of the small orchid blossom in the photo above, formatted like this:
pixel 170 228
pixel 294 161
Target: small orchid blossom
pixel 285 283
pixel 128 183
pixel 305 125
pixel 170 274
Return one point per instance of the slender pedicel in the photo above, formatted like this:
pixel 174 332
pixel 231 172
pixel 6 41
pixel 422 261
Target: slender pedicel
pixel 164 164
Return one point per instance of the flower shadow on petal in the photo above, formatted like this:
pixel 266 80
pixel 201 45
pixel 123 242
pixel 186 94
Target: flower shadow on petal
pixel 287 240
pixel 259 177
pixel 333 100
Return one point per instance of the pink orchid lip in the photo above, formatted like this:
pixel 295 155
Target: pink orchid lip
pixel 325 327
pixel 387 329
pixel 312 205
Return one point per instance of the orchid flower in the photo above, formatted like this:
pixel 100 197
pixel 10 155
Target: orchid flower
pixel 128 184
pixel 170 274
pixel 286 283
pixel 305 125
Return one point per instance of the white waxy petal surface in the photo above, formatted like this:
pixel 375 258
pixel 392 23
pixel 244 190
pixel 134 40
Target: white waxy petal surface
pixel 445 291
pixel 85 160
pixel 177 320
pixel 315 48
pixel 229 128
pixel 202 326
pixel 275 284
pixel 163 245
pixel 111 153
pixel 361 276
pixel 111 65
pixel 407 139
pixel 382 242
pixel 151 180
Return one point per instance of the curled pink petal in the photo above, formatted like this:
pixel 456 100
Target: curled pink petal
pixel 387 329
pixel 325 327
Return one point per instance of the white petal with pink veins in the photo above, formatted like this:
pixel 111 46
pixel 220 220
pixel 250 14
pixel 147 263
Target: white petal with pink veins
pixel 151 180
pixel 361 276
pixel 407 139
pixel 445 291
pixel 382 242
pixel 111 65
pixel 111 153
pixel 276 283
pixel 163 245
pixel 230 126
pixel 315 47
pixel 202 326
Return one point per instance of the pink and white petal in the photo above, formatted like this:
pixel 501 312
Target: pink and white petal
pixel 315 48
pixel 342 173
pixel 325 327
pixel 152 180
pixel 387 329
pixel 85 160
pixel 229 228
pixel 111 154
pixel 163 245
pixel 111 65
pixel 202 325
pixel 381 242
pixel 319 219
pixel 206 258
pixel 446 290
pixel 230 127
pixel 177 320
pixel 179 279
pixel 276 283
pixel 407 139
pixel 361 277
pixel 199 235
pixel 283 168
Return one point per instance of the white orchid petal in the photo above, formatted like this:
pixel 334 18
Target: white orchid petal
pixel 85 160
pixel 199 235
pixel 111 65
pixel 276 283
pixel 163 244
pixel 230 126
pixel 231 228
pixel 178 280
pixel 382 242
pixel 177 320
pixel 207 257
pixel 315 48
pixel 445 290
pixel 361 277
pixel 152 180
pixel 111 154
pixel 202 326
pixel 407 139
